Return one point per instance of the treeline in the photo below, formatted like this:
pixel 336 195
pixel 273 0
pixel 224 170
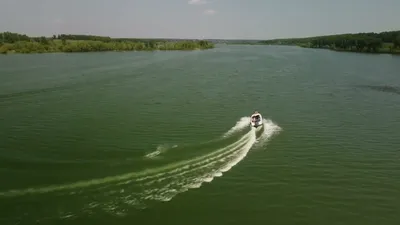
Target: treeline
pixel 21 43
pixel 384 42
pixel 79 37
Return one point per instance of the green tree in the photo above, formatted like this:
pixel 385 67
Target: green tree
pixel 396 41
pixel 63 41
pixel 44 40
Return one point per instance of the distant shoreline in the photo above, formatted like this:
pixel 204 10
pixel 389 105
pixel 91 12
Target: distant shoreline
pixel 370 43
pixel 373 43
pixel 379 50
pixel 20 43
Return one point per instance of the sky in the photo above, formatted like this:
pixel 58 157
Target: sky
pixel 225 19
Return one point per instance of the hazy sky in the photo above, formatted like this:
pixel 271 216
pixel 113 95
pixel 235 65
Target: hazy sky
pixel 243 19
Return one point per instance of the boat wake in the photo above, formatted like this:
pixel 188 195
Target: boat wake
pixel 160 150
pixel 121 193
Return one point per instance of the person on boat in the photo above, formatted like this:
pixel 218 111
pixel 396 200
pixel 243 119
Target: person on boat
pixel 255 117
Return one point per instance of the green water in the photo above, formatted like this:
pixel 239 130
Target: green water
pixel 163 137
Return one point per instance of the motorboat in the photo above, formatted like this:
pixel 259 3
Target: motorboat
pixel 256 119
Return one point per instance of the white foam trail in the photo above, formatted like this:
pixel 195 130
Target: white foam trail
pixel 269 129
pixel 102 181
pixel 138 189
pixel 189 175
pixel 241 154
pixel 240 125
pixel 218 168
pixel 202 160
pixel 160 149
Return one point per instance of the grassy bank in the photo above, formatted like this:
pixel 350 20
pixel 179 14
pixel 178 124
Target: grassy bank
pixel 384 42
pixel 20 43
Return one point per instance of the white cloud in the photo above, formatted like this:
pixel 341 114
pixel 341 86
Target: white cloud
pixel 210 12
pixel 197 2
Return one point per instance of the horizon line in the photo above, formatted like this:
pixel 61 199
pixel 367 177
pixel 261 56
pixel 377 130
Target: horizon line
pixel 203 38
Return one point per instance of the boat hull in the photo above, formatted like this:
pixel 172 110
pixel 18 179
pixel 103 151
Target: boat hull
pixel 256 124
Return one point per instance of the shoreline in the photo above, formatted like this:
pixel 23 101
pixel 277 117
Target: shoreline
pixel 378 52
pixel 73 46
pixel 107 51
pixel 14 43
pixel 387 42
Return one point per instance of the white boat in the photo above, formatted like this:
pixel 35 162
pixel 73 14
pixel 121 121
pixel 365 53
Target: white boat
pixel 256 119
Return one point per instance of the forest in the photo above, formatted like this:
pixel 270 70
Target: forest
pixel 21 43
pixel 384 42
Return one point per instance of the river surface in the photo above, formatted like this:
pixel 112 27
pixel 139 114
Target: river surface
pixel 163 137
